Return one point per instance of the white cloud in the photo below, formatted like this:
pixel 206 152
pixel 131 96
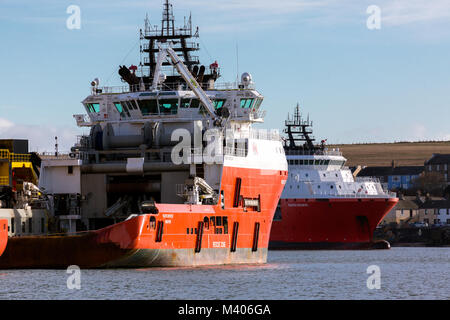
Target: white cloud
pixel 402 12
pixel 41 137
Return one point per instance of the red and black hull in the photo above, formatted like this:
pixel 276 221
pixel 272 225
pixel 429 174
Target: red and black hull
pixel 347 223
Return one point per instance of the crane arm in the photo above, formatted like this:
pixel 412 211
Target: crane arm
pixel 187 76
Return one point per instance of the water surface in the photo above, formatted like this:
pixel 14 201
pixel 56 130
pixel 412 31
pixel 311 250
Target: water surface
pixel 406 273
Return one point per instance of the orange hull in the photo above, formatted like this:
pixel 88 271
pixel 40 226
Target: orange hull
pixel 3 235
pixel 177 236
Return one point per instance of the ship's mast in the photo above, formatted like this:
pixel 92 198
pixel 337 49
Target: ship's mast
pixel 182 42
pixel 298 130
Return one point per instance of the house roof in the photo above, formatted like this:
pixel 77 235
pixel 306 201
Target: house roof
pixel 436 204
pixel 391 171
pixel 438 158
pixel 406 204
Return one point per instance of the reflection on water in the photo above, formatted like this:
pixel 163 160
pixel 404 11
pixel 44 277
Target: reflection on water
pixel 406 273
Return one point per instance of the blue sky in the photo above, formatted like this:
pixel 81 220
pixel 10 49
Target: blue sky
pixel 357 85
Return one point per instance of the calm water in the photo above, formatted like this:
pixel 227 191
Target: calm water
pixel 406 273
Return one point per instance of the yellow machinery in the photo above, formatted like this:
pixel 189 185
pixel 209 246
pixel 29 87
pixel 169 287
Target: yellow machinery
pixel 15 168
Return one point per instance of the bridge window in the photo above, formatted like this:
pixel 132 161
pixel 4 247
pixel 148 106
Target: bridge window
pixel 195 103
pixel 122 109
pixel 148 107
pixel 132 104
pixel 246 103
pixel 258 103
pixel 168 106
pixel 93 107
pixel 128 105
pixel 185 103
pixel 118 107
pixel 219 103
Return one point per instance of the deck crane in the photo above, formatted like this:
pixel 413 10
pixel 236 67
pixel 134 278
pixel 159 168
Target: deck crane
pixel 168 52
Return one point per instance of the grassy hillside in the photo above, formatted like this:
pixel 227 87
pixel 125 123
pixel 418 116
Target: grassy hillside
pixel 382 154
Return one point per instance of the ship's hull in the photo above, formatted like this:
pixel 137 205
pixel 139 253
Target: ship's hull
pixel 178 235
pixel 3 235
pixel 346 223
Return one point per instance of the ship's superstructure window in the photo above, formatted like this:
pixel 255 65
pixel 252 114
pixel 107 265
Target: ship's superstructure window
pixel 148 107
pixel 246 103
pixel 168 106
pixel 195 103
pixel 118 107
pixel 206 222
pixel 258 103
pixel 93 107
pixel 225 225
pixel 131 105
pixel 122 109
pixel 185 103
pixel 219 103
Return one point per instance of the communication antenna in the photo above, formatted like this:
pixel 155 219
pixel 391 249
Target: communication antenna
pixel 56 146
pixel 237 63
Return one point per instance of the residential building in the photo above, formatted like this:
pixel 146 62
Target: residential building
pixel 435 212
pixel 405 211
pixel 394 177
pixel 439 163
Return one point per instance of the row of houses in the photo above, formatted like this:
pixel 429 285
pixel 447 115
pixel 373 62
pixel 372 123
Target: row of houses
pixel 415 210
pixel 402 177
pixel 426 211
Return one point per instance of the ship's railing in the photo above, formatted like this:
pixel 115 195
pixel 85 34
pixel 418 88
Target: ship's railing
pixel 59 156
pixel 188 44
pixel 14 157
pixel 156 32
pixel 325 195
pixel 258 134
pixel 82 119
pixel 313 153
pixel 231 86
pixel 367 179
pixel 223 86
pixel 258 114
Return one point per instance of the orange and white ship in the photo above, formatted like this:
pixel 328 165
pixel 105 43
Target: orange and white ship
pixel 172 172
pixel 324 206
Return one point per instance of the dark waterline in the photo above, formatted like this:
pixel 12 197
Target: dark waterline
pixel 406 273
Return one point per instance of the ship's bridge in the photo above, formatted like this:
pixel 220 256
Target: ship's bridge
pixel 122 105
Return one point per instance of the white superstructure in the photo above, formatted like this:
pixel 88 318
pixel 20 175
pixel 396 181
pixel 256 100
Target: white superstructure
pixel 316 172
